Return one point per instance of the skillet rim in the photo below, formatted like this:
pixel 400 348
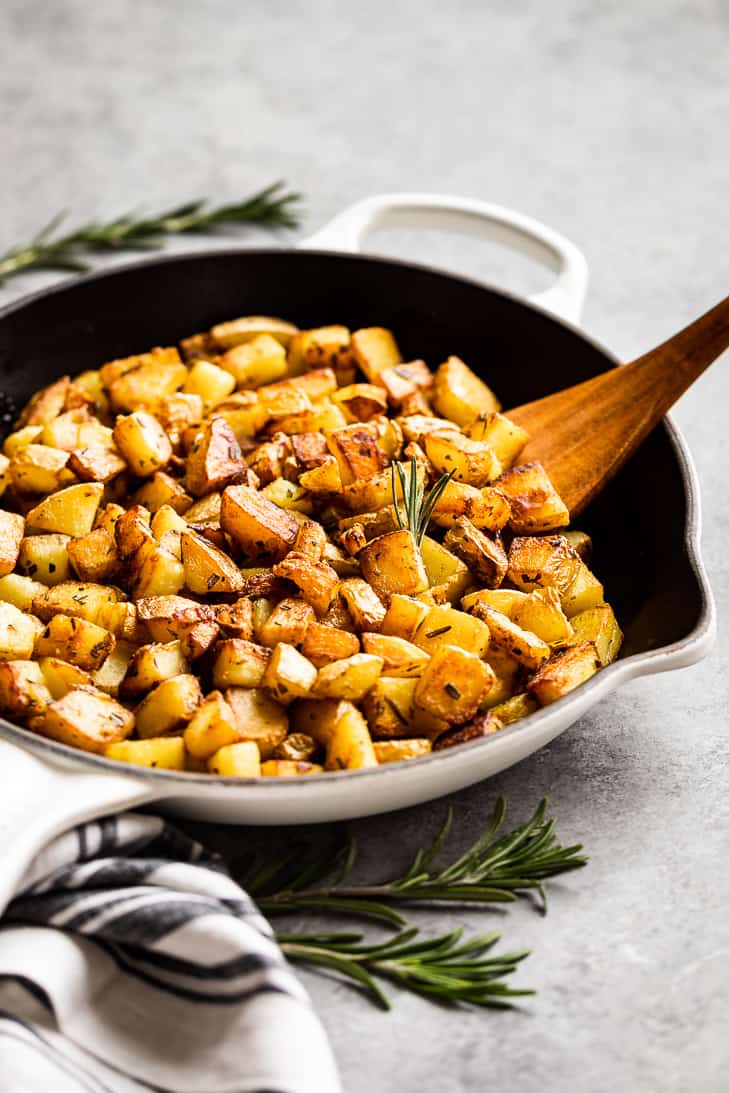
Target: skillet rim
pixel 688 650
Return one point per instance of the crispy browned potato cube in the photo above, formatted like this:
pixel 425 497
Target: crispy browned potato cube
pixel 235 619
pixel 514 708
pixel 317 581
pixel 375 348
pixel 298 747
pixel 403 616
pixel 208 569
pixel 76 640
pixel 164 753
pixel 324 643
pixel 580 542
pixel 388 707
pixel 211 383
pixel 61 677
pixel 260 360
pixel 23 690
pixel 508 674
pixel 142 442
pixel 46 404
pixel 506 438
pixel 161 489
pixel 169 617
pixel 522 645
pixel 325 346
pixel 256 524
pixel 289 674
pixel 237 331
pixel 540 612
pixel 311 540
pixel 70 511
pixel 357 451
pixel 488 508
pixel 400 657
pixel 453 684
pixel 364 605
pixel 309 450
pixel 459 395
pixel 471 461
pixel 599 624
pixel 12 527
pixel 259 718
pixel 240 760
pixel 402 381
pixel 288 622
pixel 444 625
pixel 361 401
pixel 485 557
pixel 36 468
pixel 395 751
pixel 535 504
pixel 96 463
pixel 584 592
pixel 177 412
pixel 350 678
pixel 212 726
pixel 85 718
pixel 110 675
pixel 392 563
pixel 565 670
pixel 289 768
pixel 322 479
pixel 169 707
pixel 543 561
pixel 240 663
pixel 198 639
pixel 82 599
pixel 132 530
pixel 215 460
pixel 484 724
pixel 94 556
pixel 141 379
pixel 153 663
pixel 155 571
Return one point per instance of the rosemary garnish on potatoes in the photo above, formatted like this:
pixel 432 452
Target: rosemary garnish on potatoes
pixel 271 207
pixel 418 505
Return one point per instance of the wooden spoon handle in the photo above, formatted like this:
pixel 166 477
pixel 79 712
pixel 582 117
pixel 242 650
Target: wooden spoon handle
pixel 583 435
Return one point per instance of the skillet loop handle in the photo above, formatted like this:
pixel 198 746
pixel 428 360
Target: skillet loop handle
pixel 40 800
pixel 565 298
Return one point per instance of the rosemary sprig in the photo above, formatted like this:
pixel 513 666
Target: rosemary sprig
pixel 442 967
pixel 494 869
pixel 274 207
pixel 418 505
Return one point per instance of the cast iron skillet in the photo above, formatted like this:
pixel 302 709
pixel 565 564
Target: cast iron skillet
pixel 645 525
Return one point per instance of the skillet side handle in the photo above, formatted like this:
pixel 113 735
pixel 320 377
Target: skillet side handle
pixel 40 799
pixel 565 298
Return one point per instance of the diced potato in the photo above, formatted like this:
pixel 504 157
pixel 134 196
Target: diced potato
pixel 448 576
pixel 96 463
pixel 535 504
pixel 454 684
pixel 403 616
pixel 312 541
pixel 324 644
pixel 76 640
pixel 505 600
pixel 459 395
pixel 87 719
pixel 45 558
pixel 109 676
pixel 289 675
pixel 4 473
pixel 584 592
pixel 599 624
pixel 20 591
pixel 16 441
pixel 317 581
pixel 256 524
pixel 236 761
pixel 240 663
pixel 508 673
pixel 36 468
pixel 388 707
pixel 156 573
pixel 238 331
pixel 288 622
pixel 211 383
pixel 361 401
pixel 161 489
pixel 341 728
pixel 580 542
pixel 324 478
pixel 325 346
pixel 505 437
pixel 93 556
pixel 81 599
pixel 165 753
pixel 215 460
pixel 395 751
pixel 514 708
pixel 198 639
pixel 483 724
pixel 206 510
pixel 297 746
pixel 566 669
pixel 208 569
pixel 488 509
pixel 142 442
pixel 522 645
pixel 374 349
pixel 151 376
pixel 350 678
pixel 392 563
pixel 166 519
pixel 255 362
pixel 400 657
pixel 169 707
pixel 45 404
pixel 470 460
pixel 541 613
pixel 212 726
pixel 23 690
pixel 363 604
pixel 449 626
pixel 70 511
pixel 544 561
pixel 402 381
pixel 61 677
pixel 132 531
pixel 289 768
pixel 12 527
pixel 483 556
pixel 151 664
pixel 258 718
pixel 357 451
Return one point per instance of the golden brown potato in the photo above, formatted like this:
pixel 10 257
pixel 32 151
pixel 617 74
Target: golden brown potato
pixel 448 626
pixel 142 442
pixel 61 677
pixel 484 724
pixel 317 581
pixel 141 379
pixel 161 489
pixel 23 690
pixel 485 557
pixel 541 613
pixel 522 645
pixel 36 468
pixel 238 331
pixel 208 569
pixel 375 348
pixel 235 619
pixel 94 556
pixel 70 511
pixel 257 525
pixel 288 622
pixel 260 360
pixel 289 674
pixel 208 381
pixel 403 617
pixel 325 346
pixel 259 718
pixel 288 768
pixel 85 718
pixel 169 707
pixel 471 461
pixel 459 395
pixel 599 624
pixel 323 643
pixel 240 760
pixel 488 508
pixel 19 591
pixel 76 640
pixel 564 671
pixel 544 561
pixel 453 684
pixel 361 401
pixel 12 528
pixel 363 604
pixel 297 747
pixel 350 678
pixel 155 571
pixel 96 463
pixel 240 663
pixel 514 708
pixel 45 558
pixel 399 657
pixel 215 460
pixel 311 540
pixel 165 753
pixel 504 437
pixel 395 751
pixel 535 504
pixel 46 404
pixel 82 599
pixel 402 381
pixel 212 726
pixel 357 451
pixel 392 563
pixel 151 664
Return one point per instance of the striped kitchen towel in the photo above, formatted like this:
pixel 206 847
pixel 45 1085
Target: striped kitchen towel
pixel 131 960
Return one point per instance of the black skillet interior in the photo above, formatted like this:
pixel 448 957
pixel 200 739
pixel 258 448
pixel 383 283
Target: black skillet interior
pixel 638 523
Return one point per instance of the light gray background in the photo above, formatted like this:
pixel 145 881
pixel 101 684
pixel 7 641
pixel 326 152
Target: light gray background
pixel 608 121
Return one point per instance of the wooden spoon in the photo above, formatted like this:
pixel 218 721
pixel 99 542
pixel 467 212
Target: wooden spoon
pixel 584 434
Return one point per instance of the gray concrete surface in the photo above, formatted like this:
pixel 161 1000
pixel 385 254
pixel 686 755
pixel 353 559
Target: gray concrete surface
pixel 608 121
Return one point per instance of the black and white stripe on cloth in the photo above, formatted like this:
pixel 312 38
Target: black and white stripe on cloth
pixel 130 959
